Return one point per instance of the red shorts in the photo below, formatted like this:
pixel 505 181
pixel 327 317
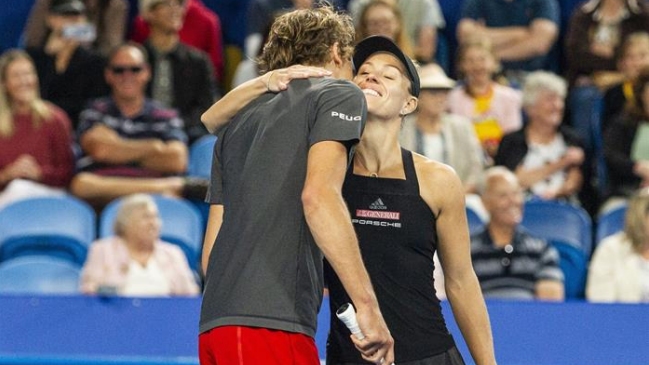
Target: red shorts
pixel 237 345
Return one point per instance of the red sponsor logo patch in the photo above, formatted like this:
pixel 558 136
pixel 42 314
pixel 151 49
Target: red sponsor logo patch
pixel 380 214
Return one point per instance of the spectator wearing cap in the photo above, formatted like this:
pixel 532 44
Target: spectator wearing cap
pixel 69 74
pixel 181 76
pixel 201 29
pixel 109 17
pixel 442 136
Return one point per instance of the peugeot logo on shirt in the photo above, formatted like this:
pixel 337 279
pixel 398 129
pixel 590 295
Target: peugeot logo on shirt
pixel 343 116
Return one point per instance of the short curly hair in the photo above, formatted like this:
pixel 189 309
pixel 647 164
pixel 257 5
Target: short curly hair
pixel 305 37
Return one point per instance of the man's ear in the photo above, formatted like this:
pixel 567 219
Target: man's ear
pixel 335 55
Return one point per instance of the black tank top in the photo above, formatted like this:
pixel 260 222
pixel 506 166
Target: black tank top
pixel 398 238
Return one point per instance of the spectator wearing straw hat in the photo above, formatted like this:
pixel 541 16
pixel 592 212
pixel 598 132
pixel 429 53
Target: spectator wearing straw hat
pixel 442 136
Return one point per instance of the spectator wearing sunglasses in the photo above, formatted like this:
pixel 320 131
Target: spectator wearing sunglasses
pixel 130 143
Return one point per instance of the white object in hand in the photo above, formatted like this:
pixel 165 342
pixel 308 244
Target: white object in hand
pixel 347 314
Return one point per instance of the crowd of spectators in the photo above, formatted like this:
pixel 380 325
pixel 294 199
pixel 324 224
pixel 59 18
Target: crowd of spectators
pixel 102 99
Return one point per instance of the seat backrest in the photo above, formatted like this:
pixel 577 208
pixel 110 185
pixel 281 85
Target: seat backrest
pixel 39 274
pixel 474 221
pixel 62 225
pixel 324 323
pixel 574 265
pixel 200 156
pixel 559 221
pixel 610 222
pixel 181 225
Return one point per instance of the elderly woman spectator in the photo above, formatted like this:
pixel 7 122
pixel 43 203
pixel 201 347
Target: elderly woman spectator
pixel 547 157
pixel 135 262
pixel 619 269
pixel 495 109
pixel 35 136
pixel 626 146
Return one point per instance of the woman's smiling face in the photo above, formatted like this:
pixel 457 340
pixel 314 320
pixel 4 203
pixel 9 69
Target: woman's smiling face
pixel 384 82
pixel 20 81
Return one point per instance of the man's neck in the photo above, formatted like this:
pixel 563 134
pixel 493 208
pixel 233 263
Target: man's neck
pixel 501 235
pixel 163 42
pixel 429 123
pixel 129 107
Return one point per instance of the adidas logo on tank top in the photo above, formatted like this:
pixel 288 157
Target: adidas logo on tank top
pixel 378 205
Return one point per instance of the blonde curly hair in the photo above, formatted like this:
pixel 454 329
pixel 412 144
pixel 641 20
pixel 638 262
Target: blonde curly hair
pixel 305 37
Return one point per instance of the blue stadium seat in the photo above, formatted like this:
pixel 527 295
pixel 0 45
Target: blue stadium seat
pixel 574 265
pixel 609 223
pixel 474 220
pixel 181 225
pixel 62 226
pixel 200 156
pixel 559 221
pixel 323 328
pixel 39 274
pixel 200 165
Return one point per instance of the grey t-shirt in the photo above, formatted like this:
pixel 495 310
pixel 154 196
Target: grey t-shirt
pixel 265 269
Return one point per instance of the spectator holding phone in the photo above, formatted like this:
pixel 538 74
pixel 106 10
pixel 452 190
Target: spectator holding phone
pixel 107 18
pixel 69 74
